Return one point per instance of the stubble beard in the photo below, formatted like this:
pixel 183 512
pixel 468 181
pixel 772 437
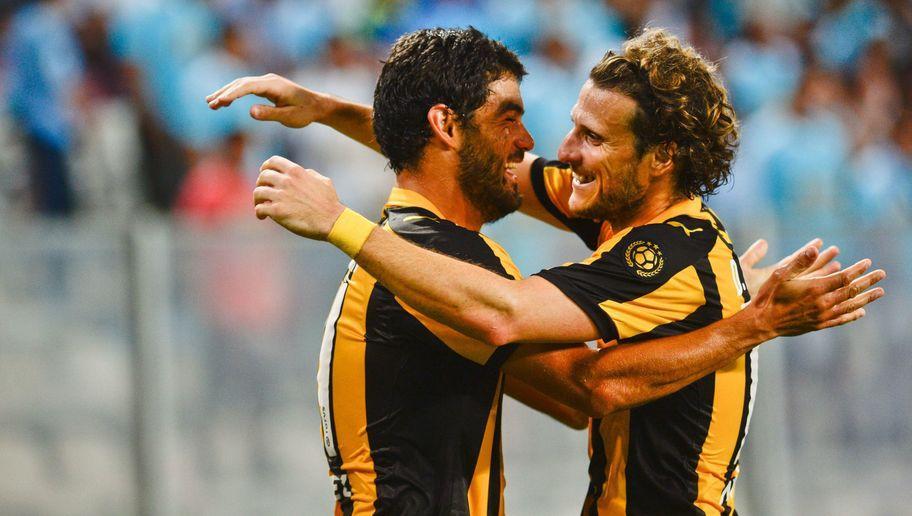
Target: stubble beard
pixel 481 178
pixel 617 204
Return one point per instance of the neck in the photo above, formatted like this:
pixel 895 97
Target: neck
pixel 444 192
pixel 658 197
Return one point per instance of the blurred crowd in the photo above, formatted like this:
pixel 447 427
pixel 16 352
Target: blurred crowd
pixel 102 100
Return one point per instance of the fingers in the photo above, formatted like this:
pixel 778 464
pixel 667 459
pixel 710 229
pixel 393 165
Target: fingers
pixel 270 177
pixel 263 194
pixel 857 302
pixel 212 96
pixel 754 253
pixel 264 210
pixel 238 88
pixel 855 287
pixel 845 277
pixel 271 113
pixel 797 263
pixel 843 319
pixel 826 270
pixel 279 164
pixel 825 257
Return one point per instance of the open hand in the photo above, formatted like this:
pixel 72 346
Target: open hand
pixel 297 198
pixel 793 301
pixel 293 104
pixel 756 276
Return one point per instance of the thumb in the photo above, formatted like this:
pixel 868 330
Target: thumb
pixel 754 253
pixel 790 269
pixel 266 113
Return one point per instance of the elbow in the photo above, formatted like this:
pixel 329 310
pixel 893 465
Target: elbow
pixel 606 398
pixel 500 333
pixel 578 421
pixel 500 325
pixel 604 402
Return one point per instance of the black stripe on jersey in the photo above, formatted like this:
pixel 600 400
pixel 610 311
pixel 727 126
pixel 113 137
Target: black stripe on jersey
pixel 427 406
pixel 745 294
pixel 597 468
pixel 587 230
pixel 661 430
pixel 611 278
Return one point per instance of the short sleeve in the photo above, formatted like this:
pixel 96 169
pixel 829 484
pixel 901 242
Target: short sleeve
pixel 640 279
pixel 426 230
pixel 552 182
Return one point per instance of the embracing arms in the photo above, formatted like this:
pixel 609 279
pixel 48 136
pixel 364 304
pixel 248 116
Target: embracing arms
pixel 488 307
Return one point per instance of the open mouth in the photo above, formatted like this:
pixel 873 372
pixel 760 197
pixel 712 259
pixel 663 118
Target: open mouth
pixel 582 179
pixel 510 171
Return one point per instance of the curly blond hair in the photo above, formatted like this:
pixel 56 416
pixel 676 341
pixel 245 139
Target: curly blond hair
pixel 683 108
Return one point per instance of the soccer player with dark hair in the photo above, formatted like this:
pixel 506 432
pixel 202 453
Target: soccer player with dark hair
pixel 652 131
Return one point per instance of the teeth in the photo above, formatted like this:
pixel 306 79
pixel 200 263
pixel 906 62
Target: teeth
pixel 580 180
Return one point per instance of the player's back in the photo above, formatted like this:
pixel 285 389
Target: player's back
pixel 411 409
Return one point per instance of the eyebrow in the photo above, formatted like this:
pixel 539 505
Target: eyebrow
pixel 510 105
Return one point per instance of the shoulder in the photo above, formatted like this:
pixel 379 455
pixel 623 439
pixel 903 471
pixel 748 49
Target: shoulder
pixel 656 252
pixel 425 229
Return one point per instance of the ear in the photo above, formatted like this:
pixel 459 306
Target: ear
pixel 443 125
pixel 663 158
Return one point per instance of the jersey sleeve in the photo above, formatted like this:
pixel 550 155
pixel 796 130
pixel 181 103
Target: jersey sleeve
pixel 640 280
pixel 552 184
pixel 447 238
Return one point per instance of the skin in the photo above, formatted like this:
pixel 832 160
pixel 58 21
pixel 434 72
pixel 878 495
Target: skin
pixel 488 307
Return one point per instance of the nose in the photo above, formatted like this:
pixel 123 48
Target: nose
pixel 568 152
pixel 524 140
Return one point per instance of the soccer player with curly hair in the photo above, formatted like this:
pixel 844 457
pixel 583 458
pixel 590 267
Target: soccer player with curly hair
pixel 671 388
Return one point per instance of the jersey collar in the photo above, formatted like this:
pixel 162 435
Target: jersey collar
pixel 401 197
pixel 685 207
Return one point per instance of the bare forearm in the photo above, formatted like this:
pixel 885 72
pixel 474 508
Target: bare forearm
pixel 535 399
pixel 465 297
pixel 351 119
pixel 627 375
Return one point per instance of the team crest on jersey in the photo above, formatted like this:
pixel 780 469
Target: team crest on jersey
pixel 645 258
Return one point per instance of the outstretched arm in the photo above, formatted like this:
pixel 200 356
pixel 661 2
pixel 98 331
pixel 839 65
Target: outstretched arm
pixel 296 106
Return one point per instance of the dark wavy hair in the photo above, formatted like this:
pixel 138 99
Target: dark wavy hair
pixel 428 67
pixel 681 101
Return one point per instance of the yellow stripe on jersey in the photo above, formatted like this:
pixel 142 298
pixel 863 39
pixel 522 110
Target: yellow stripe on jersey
pixel 673 301
pixel 349 405
pixel 613 432
pixel 724 430
pixel 481 478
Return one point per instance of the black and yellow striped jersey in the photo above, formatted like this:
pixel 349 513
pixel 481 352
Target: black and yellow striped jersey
pixel 678 454
pixel 411 409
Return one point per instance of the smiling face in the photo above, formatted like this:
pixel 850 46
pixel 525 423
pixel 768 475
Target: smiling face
pixel 494 141
pixel 610 177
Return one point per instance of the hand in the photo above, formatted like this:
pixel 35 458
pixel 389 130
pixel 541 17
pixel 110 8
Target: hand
pixel 297 198
pixel 756 276
pixel 294 105
pixel 792 302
